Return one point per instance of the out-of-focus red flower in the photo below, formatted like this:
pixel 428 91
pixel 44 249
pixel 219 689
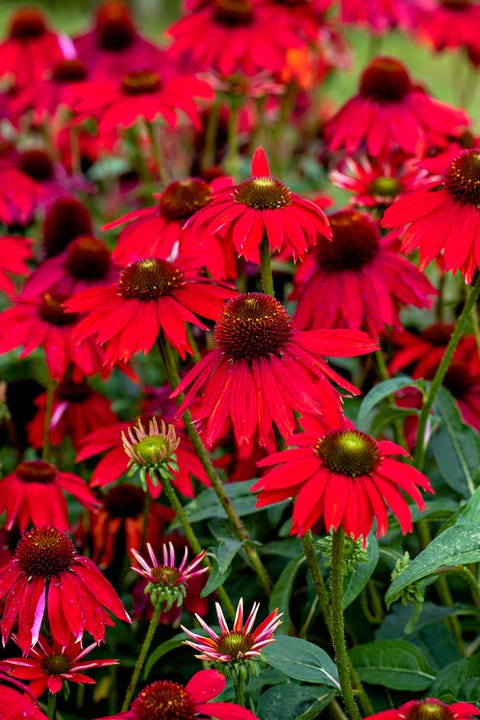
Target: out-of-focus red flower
pixel 14 251
pixel 436 710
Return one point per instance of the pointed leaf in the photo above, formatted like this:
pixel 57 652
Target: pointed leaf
pixel 301 660
pixel 395 664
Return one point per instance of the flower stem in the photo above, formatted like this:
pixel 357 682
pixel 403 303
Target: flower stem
pixel 239 690
pixel 421 444
pixel 266 267
pixel 211 135
pixel 157 609
pixel 233 157
pixel 152 130
pixel 338 628
pixel 52 706
pixel 47 420
pixel 217 485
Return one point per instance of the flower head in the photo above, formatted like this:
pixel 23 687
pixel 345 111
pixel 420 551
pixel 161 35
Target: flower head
pixel 356 280
pixel 451 201
pixel 49 664
pixel 238 646
pixel 263 371
pixel 343 476
pixel 167 582
pixel 389 112
pixel 152 294
pixel 151 450
pixel 262 205
pixel 428 709
pixel 35 494
pixel 46 574
pixel 168 700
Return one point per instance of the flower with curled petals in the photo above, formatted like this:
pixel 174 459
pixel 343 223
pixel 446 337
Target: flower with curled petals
pixel 262 206
pixel 342 475
pixel 239 646
pixel 47 575
pixel 167 581
pixel 49 664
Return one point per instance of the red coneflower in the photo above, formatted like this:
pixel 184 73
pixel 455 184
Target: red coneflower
pixel 167 699
pixel 47 574
pixel 20 197
pixel 431 707
pixel 118 104
pixel 262 205
pixel 356 280
pixel 390 112
pixel 159 231
pixel 451 201
pixel 242 37
pixel 152 295
pixel 342 475
pixel 451 24
pixel 263 371
pixel 47 665
pixel 34 493
pixel 31 48
pixel 14 251
pixel 382 15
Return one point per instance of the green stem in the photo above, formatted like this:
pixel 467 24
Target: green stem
pixel 192 538
pixel 338 627
pixel 211 135
pixel 142 656
pixel 47 420
pixel 152 130
pixel 421 443
pixel 469 578
pixel 52 706
pixel 476 327
pixel 239 691
pixel 385 375
pixel 216 483
pixel 317 578
pixel 233 158
pixel 146 517
pixel 266 267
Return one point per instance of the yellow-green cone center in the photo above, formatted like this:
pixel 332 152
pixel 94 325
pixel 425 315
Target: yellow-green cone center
pixel 235 644
pixel 149 279
pixel 163 700
pixel 348 452
pixel 429 710
pixel 262 193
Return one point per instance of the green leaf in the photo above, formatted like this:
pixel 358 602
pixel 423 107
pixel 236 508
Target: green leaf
pixel 383 390
pixel 387 415
pixel 301 660
pixel 293 702
pixel 221 563
pixel 395 664
pixel 282 592
pixel 455 446
pixel 161 650
pixel 207 505
pixel 354 583
pixel 457 545
pixel 459 681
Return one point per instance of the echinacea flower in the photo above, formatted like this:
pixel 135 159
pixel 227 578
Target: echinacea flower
pixel 356 280
pixel 18 704
pixel 448 24
pixel 262 206
pixel 119 103
pixel 263 371
pixel 48 664
pixel 35 494
pixel 31 48
pixel 159 230
pixel 47 575
pixel 152 295
pixel 167 581
pixel 342 475
pixel 242 37
pixel 380 16
pixel 20 197
pixel 389 112
pixel 14 251
pixel 442 219
pixel 238 645
pixel 115 462
pixel 151 450
pixel 168 700
pixel 431 708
